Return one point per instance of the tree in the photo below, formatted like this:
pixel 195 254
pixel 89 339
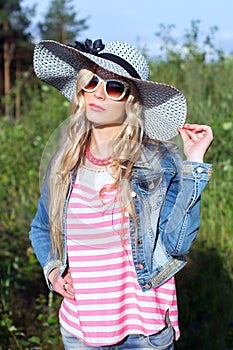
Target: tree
pixel 195 45
pixel 60 22
pixel 15 48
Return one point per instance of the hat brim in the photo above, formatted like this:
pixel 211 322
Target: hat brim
pixel 164 106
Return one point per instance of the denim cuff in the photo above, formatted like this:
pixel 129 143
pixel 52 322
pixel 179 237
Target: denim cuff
pixel 197 170
pixel 48 268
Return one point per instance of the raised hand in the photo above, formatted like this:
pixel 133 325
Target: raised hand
pixel 196 139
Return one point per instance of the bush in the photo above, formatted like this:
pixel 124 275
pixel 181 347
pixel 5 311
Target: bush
pixel 25 301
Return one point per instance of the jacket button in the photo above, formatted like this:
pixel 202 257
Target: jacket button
pixel 133 194
pixel 141 266
pixel 147 286
pixel 199 169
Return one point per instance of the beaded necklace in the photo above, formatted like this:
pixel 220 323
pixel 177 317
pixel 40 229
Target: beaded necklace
pixel 97 161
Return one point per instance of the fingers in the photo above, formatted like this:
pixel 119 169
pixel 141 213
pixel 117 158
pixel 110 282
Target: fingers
pixel 197 139
pixel 64 288
pixel 188 135
pixel 62 285
pixel 68 284
pixel 198 128
pixel 184 134
pixel 196 132
pixel 68 288
pixel 67 278
pixel 194 135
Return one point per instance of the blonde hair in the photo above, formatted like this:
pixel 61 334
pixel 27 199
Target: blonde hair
pixel 126 150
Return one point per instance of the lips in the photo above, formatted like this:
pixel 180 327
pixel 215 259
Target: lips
pixel 96 107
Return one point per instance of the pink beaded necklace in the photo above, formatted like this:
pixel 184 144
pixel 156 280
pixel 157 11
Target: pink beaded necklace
pixel 97 161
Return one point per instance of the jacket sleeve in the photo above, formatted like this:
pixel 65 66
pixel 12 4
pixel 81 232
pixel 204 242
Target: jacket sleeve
pixel 180 215
pixel 40 237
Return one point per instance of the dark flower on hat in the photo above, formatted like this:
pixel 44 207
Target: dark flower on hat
pixel 88 47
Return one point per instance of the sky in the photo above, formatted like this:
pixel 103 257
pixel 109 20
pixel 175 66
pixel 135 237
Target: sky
pixel 136 22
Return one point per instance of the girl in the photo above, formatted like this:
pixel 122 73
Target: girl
pixel 119 208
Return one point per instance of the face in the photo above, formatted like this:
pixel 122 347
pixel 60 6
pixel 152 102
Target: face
pixel 105 101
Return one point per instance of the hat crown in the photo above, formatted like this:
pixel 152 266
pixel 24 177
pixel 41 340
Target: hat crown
pixel 129 54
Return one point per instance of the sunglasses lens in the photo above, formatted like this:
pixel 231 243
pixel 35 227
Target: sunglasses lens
pixel 115 89
pixel 92 84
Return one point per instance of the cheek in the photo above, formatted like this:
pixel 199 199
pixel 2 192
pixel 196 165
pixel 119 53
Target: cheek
pixel 86 96
pixel 118 112
pixel 120 107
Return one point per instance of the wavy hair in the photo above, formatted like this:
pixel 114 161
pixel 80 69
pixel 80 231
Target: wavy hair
pixel 126 151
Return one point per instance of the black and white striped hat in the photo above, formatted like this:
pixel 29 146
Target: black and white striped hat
pixel 58 65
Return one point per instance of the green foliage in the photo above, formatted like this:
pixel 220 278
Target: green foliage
pixel 22 285
pixel 205 286
pixel 205 291
pixel 15 49
pixel 28 312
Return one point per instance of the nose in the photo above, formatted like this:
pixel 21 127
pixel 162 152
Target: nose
pixel 99 92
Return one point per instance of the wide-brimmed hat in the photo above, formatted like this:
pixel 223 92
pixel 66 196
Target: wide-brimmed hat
pixel 164 107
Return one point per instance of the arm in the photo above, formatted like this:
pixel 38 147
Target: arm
pixel 180 215
pixel 41 242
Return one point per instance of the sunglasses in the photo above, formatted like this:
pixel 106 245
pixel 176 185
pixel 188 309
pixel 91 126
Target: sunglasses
pixel 114 89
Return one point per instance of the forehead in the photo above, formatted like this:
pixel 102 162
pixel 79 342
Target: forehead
pixel 105 74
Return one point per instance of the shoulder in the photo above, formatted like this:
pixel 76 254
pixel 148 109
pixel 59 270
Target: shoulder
pixel 160 149
pixel 161 156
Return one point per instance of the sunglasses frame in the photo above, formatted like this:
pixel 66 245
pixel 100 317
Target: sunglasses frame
pixel 126 86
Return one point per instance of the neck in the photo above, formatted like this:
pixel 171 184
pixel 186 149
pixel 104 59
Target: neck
pixel 101 138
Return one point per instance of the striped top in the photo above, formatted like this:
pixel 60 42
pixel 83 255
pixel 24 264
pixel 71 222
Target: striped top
pixel 109 303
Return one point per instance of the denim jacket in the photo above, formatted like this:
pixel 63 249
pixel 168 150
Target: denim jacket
pixel 166 192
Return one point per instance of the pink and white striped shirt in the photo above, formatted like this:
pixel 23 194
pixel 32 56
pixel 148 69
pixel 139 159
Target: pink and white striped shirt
pixel 109 303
